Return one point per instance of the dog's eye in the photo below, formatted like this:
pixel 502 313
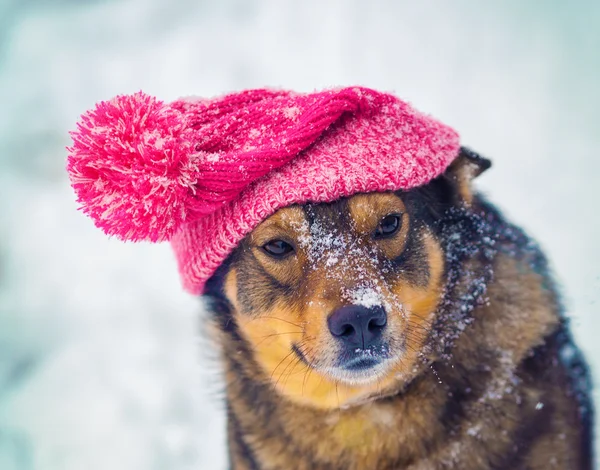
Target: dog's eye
pixel 278 248
pixel 388 226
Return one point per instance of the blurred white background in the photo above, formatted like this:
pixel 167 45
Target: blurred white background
pixel 102 360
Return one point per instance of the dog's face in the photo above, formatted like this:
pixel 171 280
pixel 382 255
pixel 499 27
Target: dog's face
pixel 337 300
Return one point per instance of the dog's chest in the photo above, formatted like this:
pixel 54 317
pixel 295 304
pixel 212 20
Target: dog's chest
pixel 364 428
pixel 377 432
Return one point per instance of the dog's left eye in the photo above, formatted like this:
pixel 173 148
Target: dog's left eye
pixel 278 248
pixel 388 226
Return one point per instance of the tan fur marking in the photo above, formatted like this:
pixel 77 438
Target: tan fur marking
pixel 287 224
pixel 368 210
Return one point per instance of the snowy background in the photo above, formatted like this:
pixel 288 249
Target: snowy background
pixel 102 360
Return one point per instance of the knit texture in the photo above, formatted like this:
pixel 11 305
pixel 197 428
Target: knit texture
pixel 204 173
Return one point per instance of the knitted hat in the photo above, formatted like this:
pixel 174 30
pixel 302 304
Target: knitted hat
pixel 204 173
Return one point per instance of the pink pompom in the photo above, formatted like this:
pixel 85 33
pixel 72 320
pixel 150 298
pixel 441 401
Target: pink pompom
pixel 132 169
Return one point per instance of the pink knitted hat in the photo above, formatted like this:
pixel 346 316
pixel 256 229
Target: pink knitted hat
pixel 204 173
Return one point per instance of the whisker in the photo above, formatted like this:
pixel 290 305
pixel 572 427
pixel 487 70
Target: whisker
pixel 295 362
pixel 307 375
pixel 277 318
pixel 281 362
pixel 291 372
pixel 275 334
pixel 285 369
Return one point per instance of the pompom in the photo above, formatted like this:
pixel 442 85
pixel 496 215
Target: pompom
pixel 132 169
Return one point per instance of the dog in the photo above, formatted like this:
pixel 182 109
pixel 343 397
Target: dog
pixel 407 330
pixel 371 309
pixel 401 330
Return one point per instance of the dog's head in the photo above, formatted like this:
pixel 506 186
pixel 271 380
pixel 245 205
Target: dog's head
pixel 335 302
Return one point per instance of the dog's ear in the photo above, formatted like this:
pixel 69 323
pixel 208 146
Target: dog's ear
pixel 466 167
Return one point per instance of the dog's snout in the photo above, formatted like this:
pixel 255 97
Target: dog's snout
pixel 358 326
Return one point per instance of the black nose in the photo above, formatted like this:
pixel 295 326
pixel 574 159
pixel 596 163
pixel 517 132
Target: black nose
pixel 356 325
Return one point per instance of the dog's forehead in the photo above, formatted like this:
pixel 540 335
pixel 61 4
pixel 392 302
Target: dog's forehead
pixel 286 217
pixel 356 212
pixel 367 209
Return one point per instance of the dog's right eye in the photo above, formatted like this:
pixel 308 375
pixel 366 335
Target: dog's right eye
pixel 278 248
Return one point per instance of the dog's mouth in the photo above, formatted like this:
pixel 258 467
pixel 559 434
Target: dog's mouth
pixel 361 363
pixel 356 367
pixel 363 358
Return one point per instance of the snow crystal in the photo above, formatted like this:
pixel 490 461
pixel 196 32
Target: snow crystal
pixel 291 112
pixel 373 351
pixel 211 157
pixel 567 353
pixel 254 133
pixel 367 297
pixel 331 261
